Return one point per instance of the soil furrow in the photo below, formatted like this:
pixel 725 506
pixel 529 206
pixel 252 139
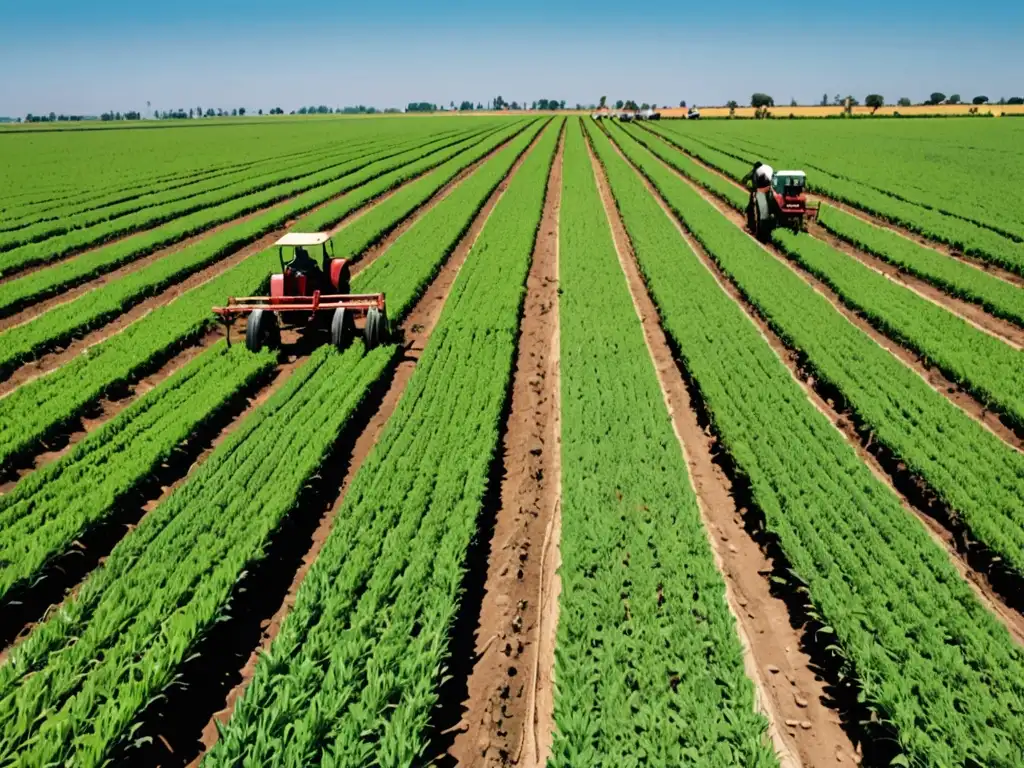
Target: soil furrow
pixel 999 591
pixel 222 677
pixel 991 420
pixel 508 721
pixel 804 725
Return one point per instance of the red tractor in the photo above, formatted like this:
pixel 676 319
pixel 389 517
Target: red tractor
pixel 780 203
pixel 307 293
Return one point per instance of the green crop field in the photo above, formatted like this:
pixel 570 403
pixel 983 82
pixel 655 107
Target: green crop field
pixel 621 485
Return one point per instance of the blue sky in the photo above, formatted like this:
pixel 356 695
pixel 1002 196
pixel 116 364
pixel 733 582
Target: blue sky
pixel 83 57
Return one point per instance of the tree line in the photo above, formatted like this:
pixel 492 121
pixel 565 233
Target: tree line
pixel 876 100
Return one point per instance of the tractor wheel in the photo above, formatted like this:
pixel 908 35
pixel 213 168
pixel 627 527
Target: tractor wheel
pixel 796 223
pixel 751 216
pixel 763 223
pixel 261 330
pixel 342 329
pixel 375 332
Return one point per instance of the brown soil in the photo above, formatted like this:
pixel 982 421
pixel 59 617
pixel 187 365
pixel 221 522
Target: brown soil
pixel 415 331
pixel 788 689
pixel 991 420
pixel 907 489
pixel 508 720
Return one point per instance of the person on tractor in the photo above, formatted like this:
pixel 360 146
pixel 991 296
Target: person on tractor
pixel 760 175
pixel 302 262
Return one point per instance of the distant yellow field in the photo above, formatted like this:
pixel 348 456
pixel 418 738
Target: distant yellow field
pixel 941 109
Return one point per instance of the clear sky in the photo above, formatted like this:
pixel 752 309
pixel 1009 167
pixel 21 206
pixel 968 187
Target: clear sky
pixel 87 57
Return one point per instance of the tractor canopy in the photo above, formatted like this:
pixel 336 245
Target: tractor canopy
pixel 789 183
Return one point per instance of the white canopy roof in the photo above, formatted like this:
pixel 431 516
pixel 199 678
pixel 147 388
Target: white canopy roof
pixel 790 173
pixel 304 238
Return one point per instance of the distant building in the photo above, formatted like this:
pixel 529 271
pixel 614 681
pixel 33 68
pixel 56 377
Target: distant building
pixel 8 120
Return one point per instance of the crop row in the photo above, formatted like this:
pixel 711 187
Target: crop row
pixel 953 276
pixel 353 675
pixel 974 183
pixel 44 405
pixel 94 227
pixel 135 195
pixel 990 369
pixel 979 476
pixel 60 502
pixel 92 309
pixel 65 171
pixel 18 292
pixel 167 582
pixel 970 238
pixel 961 280
pixel 929 658
pixel 647 657
pixel 53 506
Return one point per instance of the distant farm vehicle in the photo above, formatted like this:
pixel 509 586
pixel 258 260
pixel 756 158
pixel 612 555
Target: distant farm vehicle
pixel 648 114
pixel 626 117
pixel 308 294
pixel 781 203
pixel 693 114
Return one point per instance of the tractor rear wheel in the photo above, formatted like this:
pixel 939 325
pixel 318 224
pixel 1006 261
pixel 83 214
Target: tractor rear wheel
pixel 763 223
pixel 342 328
pixel 375 332
pixel 261 330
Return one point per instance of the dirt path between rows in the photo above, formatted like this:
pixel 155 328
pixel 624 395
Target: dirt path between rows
pixel 508 716
pixel 878 221
pixel 804 726
pixel 931 375
pixel 906 489
pixel 336 476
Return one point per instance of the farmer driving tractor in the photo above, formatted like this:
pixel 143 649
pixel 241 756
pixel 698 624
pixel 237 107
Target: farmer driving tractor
pixel 760 174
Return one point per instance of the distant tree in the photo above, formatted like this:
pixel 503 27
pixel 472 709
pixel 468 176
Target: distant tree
pixel 837 100
pixel 792 102
pixel 533 105
pixel 762 100
pixel 979 100
pixel 234 113
pixel 632 105
pixel 682 103
pixel 191 114
pixel 1015 100
pixel 451 104
pixel 875 100
pixel 936 98
pixel 500 103
pixel 479 106
pixel 904 101
pixel 209 112
pixel 241 111
pixel 199 111
pixel 259 111
pixel 514 105
pixel 824 100
pixel 619 104
pixel 53 117
pixel 466 106
pixel 731 104
pixel 561 104
pixel 954 99
pixel 852 101
pixel 421 106
pixel 645 105
pixel 604 102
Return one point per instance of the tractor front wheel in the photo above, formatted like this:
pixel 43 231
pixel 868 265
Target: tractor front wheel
pixel 375 332
pixel 342 328
pixel 261 330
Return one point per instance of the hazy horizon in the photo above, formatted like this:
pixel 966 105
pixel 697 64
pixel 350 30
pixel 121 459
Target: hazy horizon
pixel 115 55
